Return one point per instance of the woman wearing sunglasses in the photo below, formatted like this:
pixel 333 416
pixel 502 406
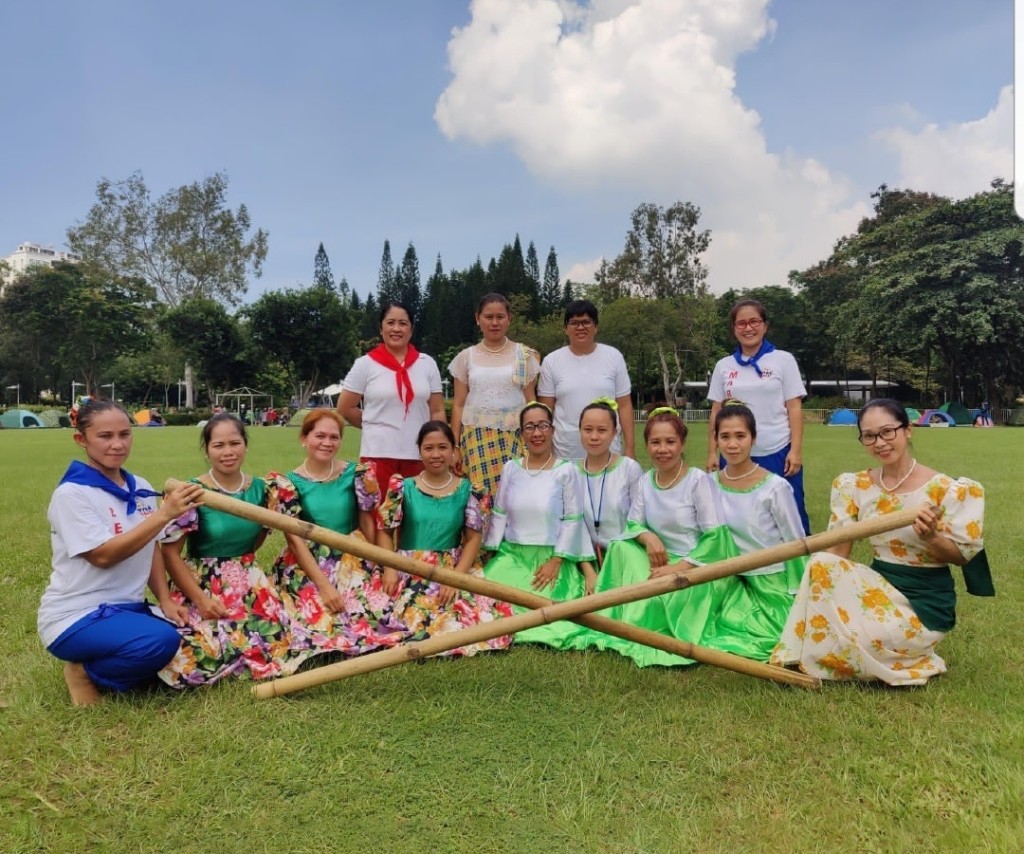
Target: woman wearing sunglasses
pixel 768 381
pixel 851 621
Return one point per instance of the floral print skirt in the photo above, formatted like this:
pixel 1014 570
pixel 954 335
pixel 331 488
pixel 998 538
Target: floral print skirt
pixel 417 607
pixel 253 641
pixel 368 622
pixel 848 622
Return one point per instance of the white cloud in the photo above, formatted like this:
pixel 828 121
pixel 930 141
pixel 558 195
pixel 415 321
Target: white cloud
pixel 583 271
pixel 639 95
pixel 959 159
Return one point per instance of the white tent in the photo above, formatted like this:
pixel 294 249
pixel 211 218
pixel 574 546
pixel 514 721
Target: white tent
pixel 331 390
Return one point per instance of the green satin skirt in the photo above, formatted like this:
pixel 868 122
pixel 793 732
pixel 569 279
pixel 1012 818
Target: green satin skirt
pixel 514 564
pixel 755 611
pixel 684 614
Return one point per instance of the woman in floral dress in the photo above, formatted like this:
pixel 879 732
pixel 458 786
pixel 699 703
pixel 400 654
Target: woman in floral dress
pixel 335 600
pixel 236 622
pixel 883 622
pixel 438 518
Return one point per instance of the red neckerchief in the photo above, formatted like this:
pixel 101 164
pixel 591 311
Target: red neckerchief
pixel 383 356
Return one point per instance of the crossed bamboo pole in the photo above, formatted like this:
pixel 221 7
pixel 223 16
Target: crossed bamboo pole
pixel 545 611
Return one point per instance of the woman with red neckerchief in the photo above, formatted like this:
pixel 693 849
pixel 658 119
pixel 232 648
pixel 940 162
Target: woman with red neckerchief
pixel 389 394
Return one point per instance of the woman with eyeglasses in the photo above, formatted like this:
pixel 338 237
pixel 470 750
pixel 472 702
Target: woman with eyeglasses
pixel 389 393
pixel 882 622
pixel 580 372
pixel 537 527
pixel 768 380
pixel 493 379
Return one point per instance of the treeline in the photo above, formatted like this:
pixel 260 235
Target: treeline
pixel 928 293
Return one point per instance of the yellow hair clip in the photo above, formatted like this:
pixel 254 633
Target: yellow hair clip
pixel 611 403
pixel 662 409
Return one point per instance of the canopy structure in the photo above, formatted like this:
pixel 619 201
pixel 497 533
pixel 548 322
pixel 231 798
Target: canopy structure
pixel 244 398
pixel 14 418
pixel 843 417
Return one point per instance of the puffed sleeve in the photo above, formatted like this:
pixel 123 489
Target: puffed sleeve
pixel 843 501
pixel 186 523
pixel 459 366
pixel 963 516
pixel 706 503
pixel 366 485
pixel 573 542
pixel 783 509
pixel 389 514
pixel 478 509
pixel 499 517
pixel 282 496
pixel 532 364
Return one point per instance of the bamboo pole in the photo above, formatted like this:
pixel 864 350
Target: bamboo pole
pixel 503 592
pixel 571 610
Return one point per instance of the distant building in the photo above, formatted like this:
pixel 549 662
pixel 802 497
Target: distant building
pixel 31 255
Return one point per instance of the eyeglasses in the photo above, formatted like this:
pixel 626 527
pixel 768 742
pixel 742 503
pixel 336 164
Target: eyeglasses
pixel 886 434
pixel 539 427
pixel 580 324
pixel 749 324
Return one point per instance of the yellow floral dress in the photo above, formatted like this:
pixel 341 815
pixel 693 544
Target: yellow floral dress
pixel 848 621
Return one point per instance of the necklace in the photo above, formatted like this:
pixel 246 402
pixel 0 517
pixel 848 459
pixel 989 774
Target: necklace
pixel 900 482
pixel 309 475
pixel 671 483
pixel 728 476
pixel 590 495
pixel 429 485
pixel 501 349
pixel 217 483
pixel 535 472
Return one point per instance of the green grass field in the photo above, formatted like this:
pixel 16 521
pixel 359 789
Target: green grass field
pixel 529 750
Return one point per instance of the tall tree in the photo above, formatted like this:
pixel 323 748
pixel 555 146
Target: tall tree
pixel 386 277
pixel 533 267
pixel 550 291
pixel 186 244
pixel 410 293
pixel 322 275
pixel 662 255
pixel 212 340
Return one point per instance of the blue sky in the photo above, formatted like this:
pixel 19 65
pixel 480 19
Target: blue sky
pixel 352 122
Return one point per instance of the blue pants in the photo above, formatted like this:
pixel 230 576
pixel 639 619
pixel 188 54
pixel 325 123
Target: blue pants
pixel 776 464
pixel 120 646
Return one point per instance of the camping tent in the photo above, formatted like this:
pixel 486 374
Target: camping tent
pixel 958 412
pixel 842 417
pixel 935 418
pixel 913 415
pixel 20 418
pixel 149 418
pixel 55 418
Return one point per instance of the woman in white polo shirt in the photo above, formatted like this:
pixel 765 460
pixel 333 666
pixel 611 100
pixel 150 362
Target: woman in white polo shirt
pixel 768 382
pixel 582 372
pixel 399 389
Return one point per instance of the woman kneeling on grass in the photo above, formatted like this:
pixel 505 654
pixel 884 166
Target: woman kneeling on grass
pixel 883 622
pixel 103 526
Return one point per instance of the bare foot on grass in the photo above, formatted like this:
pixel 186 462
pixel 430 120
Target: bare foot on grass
pixel 83 691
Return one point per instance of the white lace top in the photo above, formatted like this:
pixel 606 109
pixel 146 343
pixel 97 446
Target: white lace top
pixel 496 382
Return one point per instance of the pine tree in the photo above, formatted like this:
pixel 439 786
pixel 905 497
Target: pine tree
pixel 322 275
pixel 386 277
pixel 408 286
pixel 551 295
pixel 567 295
pixel 533 266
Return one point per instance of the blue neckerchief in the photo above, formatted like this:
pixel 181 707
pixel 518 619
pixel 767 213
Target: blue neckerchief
pixel 78 472
pixel 765 348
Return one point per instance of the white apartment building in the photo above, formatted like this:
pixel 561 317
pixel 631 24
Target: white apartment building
pixel 29 255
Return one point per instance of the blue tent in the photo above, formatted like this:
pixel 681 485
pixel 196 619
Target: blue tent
pixel 843 418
